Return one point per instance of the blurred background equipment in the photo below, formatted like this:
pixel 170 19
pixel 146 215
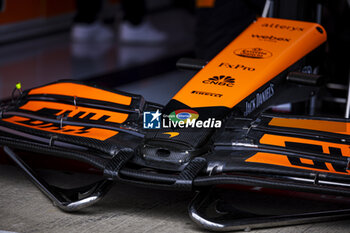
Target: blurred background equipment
pixel 105 42
pixel 23 19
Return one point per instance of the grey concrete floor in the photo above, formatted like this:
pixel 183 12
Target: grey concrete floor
pixel 23 208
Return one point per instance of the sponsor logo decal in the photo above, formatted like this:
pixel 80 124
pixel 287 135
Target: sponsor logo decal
pixel 207 93
pixel 172 134
pixel 270 38
pixel 151 120
pixel 259 99
pixel 236 66
pixel 257 53
pixel 221 80
pixel 66 113
pixel 81 131
pixel 303 161
pixel 282 27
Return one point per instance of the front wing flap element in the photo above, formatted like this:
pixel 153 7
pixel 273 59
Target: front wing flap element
pixel 302 154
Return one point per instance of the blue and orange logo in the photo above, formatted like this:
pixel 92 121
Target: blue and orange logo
pixel 183 115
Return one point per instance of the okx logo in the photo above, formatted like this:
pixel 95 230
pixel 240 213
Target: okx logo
pixel 221 80
pixel 151 120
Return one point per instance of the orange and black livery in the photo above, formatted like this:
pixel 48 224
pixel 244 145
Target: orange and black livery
pixel 218 132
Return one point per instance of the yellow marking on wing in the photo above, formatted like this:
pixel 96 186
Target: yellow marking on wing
pixel 172 134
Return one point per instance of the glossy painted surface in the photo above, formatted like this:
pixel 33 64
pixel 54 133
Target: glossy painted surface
pixel 265 49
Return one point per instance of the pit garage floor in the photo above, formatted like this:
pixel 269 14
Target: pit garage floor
pixel 23 208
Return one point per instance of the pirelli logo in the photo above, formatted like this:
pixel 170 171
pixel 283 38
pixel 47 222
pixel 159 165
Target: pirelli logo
pixel 207 94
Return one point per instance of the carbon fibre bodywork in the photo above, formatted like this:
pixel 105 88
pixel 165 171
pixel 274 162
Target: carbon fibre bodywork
pixel 260 69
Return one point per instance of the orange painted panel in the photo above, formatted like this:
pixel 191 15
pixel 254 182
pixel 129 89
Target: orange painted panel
pixel 83 91
pixel 277 140
pixel 266 48
pixel 95 133
pixel 115 117
pixel 319 125
pixel 282 160
pixel 96 114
